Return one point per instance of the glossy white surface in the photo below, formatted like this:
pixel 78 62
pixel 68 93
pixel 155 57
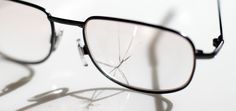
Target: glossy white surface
pixel 212 88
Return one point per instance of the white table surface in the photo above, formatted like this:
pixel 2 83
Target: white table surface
pixel 212 88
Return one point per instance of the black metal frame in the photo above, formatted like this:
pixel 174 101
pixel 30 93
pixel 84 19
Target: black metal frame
pixel 199 54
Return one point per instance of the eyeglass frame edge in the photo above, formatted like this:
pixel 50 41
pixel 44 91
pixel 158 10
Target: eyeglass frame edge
pixel 198 53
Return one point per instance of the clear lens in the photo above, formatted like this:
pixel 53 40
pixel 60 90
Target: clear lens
pixel 25 32
pixel 140 56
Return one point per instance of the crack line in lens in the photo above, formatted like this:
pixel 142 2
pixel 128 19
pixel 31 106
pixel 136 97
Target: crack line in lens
pixel 118 36
pixel 123 59
pixel 131 41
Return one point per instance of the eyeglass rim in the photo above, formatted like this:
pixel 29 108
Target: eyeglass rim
pixel 84 37
pixel 144 24
pixel 53 35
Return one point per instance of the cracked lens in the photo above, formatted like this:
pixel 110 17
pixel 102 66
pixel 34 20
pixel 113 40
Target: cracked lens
pixel 117 68
pixel 121 50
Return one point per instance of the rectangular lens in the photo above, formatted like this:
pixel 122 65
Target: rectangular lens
pixel 139 55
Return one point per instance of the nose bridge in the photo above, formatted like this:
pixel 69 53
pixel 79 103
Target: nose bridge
pixel 67 21
pixel 82 49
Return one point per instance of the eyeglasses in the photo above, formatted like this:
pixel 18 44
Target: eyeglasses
pixel 139 56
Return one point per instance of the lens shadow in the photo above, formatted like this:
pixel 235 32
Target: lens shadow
pixel 13 75
pixel 96 99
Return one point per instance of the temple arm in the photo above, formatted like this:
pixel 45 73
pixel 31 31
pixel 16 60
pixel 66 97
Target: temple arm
pixel 217 42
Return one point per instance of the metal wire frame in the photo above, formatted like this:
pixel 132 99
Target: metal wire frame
pixel 198 54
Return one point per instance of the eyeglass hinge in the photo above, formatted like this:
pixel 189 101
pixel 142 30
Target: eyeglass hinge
pixel 199 52
pixel 217 41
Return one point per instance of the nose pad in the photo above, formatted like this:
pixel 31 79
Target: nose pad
pixel 82 53
pixel 57 39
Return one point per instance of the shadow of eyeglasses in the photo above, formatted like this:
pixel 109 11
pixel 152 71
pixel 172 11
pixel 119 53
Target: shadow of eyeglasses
pixel 6 69
pixel 95 98
pixel 90 97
